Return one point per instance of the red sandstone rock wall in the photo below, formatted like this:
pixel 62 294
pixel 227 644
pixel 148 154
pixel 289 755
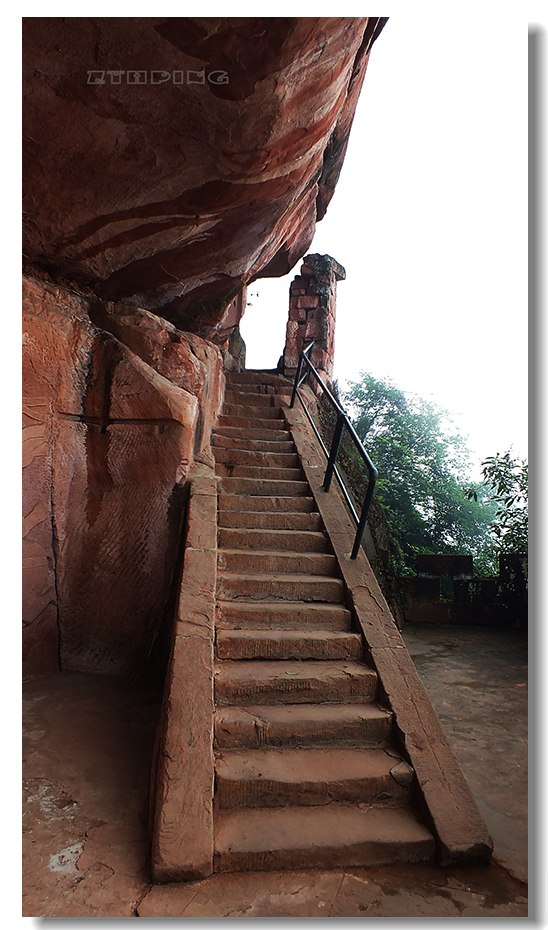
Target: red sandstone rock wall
pixel 113 422
pixel 171 195
pixel 158 201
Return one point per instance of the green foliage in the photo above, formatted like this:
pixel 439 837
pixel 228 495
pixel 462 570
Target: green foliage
pixel 422 466
pixel 505 483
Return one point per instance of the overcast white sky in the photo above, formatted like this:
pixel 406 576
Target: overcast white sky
pixel 430 221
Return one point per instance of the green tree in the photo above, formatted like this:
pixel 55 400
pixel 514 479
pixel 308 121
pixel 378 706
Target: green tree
pixel 422 466
pixel 505 484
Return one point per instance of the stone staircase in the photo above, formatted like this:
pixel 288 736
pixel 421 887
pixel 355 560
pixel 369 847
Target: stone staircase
pixel 307 773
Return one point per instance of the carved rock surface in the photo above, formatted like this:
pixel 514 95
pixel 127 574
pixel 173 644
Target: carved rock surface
pixel 111 430
pixel 172 189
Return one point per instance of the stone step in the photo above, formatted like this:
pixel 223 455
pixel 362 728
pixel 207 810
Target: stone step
pixel 242 387
pixel 259 378
pixel 275 615
pixel 329 837
pixel 302 725
pixel 266 503
pixel 293 682
pixel 259 487
pixel 239 398
pixel 242 561
pixel 235 443
pixel 274 777
pixel 242 432
pixel 249 412
pixel 252 427
pixel 258 473
pixel 287 587
pixel 264 521
pixel 256 459
pixel 272 539
pixel 288 644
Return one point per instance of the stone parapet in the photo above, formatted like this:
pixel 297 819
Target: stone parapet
pixel 183 771
pixel 445 591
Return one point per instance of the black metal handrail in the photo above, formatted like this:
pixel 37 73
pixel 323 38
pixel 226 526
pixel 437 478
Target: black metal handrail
pixel 331 454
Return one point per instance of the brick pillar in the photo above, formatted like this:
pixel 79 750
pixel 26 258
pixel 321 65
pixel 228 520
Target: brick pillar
pixel 312 303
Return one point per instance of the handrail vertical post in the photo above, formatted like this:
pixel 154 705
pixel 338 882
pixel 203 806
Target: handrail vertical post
pixel 363 519
pixel 334 452
pixel 296 382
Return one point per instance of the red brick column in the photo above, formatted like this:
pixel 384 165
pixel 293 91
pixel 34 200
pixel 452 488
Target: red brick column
pixel 312 303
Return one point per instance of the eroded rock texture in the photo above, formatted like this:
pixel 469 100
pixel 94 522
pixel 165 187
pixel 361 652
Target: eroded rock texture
pixel 118 405
pixel 171 195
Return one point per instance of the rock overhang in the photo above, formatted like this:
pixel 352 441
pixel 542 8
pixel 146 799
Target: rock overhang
pixel 170 161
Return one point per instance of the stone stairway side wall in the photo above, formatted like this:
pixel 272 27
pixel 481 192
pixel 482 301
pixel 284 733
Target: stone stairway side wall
pixel 183 769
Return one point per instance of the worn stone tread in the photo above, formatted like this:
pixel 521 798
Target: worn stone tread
pixel 332 836
pixel 237 443
pixel 253 413
pixel 269 472
pixel 265 487
pixel 272 539
pixel 247 425
pixel 283 614
pixel 259 725
pixel 257 458
pixel 272 561
pixel 288 644
pixel 273 432
pixel 290 587
pixel 258 378
pixel 265 521
pixel 272 777
pixel 267 503
pixel 291 681
pixel 253 398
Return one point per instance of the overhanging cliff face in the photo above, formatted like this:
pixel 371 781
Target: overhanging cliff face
pixel 168 162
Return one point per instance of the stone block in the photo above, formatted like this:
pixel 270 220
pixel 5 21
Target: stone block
pixel 291 357
pixel 291 330
pixel 312 329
